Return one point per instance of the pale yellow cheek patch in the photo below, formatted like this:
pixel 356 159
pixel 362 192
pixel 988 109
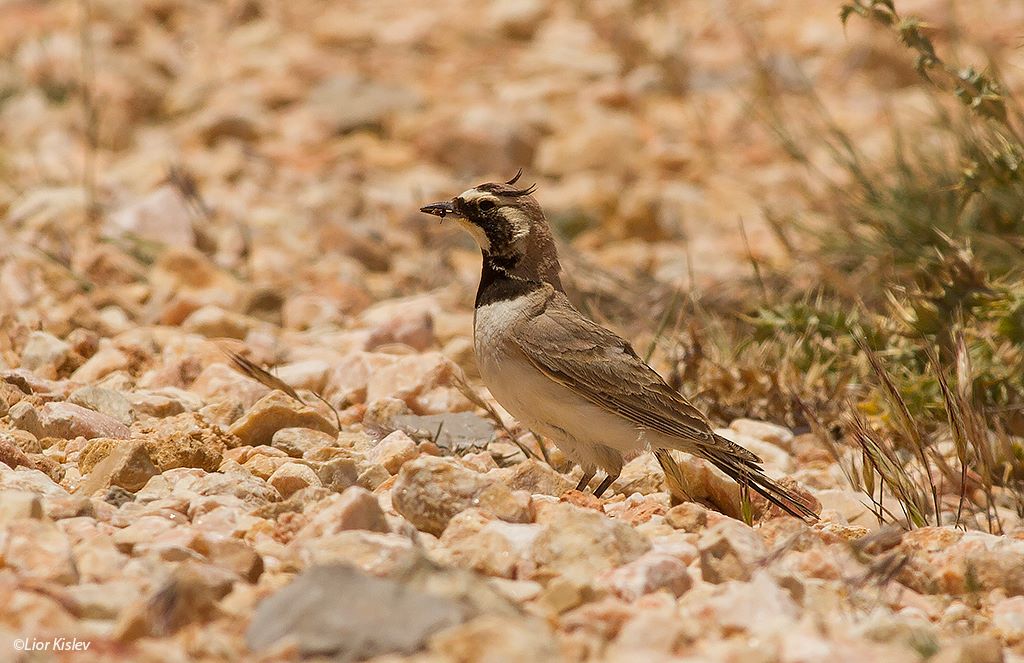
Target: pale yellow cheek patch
pixel 519 222
pixel 477 232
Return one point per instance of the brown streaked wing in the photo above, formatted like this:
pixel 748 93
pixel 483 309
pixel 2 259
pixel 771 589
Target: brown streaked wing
pixel 603 368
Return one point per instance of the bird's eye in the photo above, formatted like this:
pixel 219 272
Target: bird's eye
pixel 486 205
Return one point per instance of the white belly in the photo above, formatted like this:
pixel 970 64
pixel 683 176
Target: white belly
pixel 540 403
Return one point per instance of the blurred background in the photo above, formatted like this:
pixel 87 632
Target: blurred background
pixel 788 205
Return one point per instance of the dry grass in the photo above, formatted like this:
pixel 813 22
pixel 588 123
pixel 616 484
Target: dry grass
pixel 910 350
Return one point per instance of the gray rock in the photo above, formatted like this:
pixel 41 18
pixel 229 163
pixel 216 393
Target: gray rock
pixel 455 431
pixel 343 613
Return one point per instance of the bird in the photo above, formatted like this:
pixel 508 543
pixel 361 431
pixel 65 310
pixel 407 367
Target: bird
pixel 567 377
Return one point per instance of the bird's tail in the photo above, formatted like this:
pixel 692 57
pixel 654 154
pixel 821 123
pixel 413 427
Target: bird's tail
pixel 747 473
pixel 743 468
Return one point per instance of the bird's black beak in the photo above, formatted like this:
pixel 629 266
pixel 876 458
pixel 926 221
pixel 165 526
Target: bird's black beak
pixel 439 209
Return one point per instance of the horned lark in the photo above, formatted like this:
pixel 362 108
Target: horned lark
pixel 564 375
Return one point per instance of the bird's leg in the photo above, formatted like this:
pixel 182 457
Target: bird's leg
pixel 603 486
pixel 585 480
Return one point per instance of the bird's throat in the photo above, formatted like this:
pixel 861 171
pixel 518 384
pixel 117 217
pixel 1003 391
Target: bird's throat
pixel 502 280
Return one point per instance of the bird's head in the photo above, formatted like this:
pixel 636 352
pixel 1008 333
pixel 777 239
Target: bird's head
pixel 505 220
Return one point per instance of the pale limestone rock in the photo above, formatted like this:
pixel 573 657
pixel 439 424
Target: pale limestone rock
pixel 852 506
pixel 730 550
pixel 535 477
pixel 518 19
pixel 688 516
pixel 39 550
pixel 232 554
pixel 144 530
pixel 347 102
pixel 68 421
pixel 292 477
pixel 650 634
pixel 641 475
pixel 214 322
pixel 775 459
pixel 349 378
pixel 18 504
pixel 101 600
pixel 310 374
pixel 757 607
pixel 976 648
pixel 220 382
pixel 163 402
pixel 44 354
pixel 185 440
pixel 372 475
pixel 494 639
pixel 423 381
pixel 651 572
pixel 128 466
pixel 105 401
pixel 311 311
pixel 431 490
pixel 296 442
pixel 597 135
pixel 264 464
pixel 108 359
pixel 339 612
pixel 356 508
pixel 568 529
pixel 11 454
pixel 945 560
pixel 232 479
pixel 339 473
pixel 161 216
pixel 477 540
pixel 780 436
pixel 274 412
pixel 412 328
pixel 24 478
pixel 373 552
pixel 394 451
pixel 188 595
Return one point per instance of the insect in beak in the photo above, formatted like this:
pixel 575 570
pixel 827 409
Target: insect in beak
pixel 439 209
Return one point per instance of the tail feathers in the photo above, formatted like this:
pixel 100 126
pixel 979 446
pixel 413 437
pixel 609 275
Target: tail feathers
pixel 747 473
pixel 731 447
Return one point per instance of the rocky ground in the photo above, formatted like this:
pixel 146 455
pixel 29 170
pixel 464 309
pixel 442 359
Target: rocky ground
pixel 248 198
